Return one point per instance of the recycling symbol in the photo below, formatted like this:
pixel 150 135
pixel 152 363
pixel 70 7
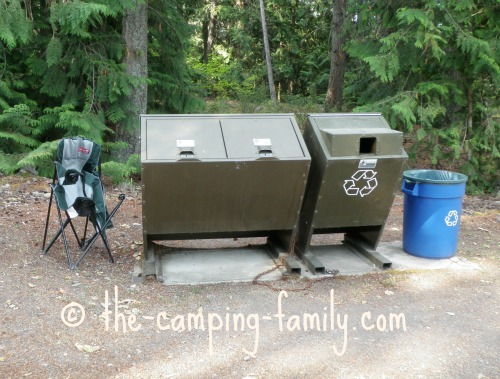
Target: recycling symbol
pixel 361 183
pixel 452 218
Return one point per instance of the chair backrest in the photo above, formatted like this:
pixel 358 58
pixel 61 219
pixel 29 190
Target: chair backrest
pixel 78 153
pixel 77 174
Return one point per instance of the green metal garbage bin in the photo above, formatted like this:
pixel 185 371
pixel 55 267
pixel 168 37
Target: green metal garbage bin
pixel 356 166
pixel 221 176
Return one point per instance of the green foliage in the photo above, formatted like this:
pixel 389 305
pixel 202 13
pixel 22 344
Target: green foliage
pixel 54 51
pixel 222 78
pixel 385 67
pixel 431 67
pixel 68 79
pixel 436 67
pixel 118 172
pixel 42 158
pixel 16 129
pixel 298 33
pixel 170 89
pixel 15 27
pixel 76 17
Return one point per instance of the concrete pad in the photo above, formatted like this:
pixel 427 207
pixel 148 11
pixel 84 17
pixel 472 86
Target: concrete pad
pixel 404 261
pixel 181 265
pixel 217 265
pixel 348 262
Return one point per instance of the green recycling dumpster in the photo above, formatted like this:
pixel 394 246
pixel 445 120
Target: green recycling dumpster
pixel 432 209
pixel 356 166
pixel 222 176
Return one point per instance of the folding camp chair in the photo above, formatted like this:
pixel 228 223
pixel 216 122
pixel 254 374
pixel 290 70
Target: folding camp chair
pixel 78 191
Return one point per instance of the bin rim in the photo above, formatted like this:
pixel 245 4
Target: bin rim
pixel 434 176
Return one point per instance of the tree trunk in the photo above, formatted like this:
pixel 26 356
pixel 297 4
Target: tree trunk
pixel 209 31
pixel 135 33
pixel 334 94
pixel 267 53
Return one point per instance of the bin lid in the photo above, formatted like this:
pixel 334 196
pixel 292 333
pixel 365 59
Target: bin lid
pixel 165 138
pixel 350 121
pixel 434 176
pixel 353 134
pixel 245 135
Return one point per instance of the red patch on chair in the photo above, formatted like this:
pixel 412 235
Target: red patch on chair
pixel 83 150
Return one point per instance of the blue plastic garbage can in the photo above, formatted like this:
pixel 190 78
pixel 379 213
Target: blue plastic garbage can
pixel 432 209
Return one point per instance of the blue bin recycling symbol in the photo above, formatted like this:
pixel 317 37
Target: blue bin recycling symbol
pixel 361 183
pixel 452 218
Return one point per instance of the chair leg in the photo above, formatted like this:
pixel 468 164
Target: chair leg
pixel 101 231
pixel 45 250
pixel 108 219
pixel 47 223
pixel 56 236
pixel 61 231
pixel 80 244
pixel 86 250
pixel 106 244
pixel 85 232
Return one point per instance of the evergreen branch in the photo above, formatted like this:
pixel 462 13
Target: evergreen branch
pixel 456 24
pixel 4 60
pixel 472 15
pixel 93 88
pixel 167 22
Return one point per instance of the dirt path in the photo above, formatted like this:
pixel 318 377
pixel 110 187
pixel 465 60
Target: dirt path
pixel 418 324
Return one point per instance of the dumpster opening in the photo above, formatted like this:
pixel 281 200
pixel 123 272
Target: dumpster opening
pixel 367 145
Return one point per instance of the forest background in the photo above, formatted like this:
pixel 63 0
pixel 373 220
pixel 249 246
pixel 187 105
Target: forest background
pixel 74 67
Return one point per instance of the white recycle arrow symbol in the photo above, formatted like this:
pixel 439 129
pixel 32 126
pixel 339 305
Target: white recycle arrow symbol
pixel 351 185
pixel 452 218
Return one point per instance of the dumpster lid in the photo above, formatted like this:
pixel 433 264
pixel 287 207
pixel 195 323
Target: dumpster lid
pixel 251 135
pixel 174 137
pixel 349 121
pixel 362 131
pixel 434 176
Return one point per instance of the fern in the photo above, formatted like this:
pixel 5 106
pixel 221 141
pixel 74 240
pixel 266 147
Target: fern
pixel 18 138
pixel 15 27
pixel 405 110
pixel 75 17
pixel 118 172
pixel 55 82
pixel 116 113
pixel 408 16
pixel 16 126
pixel 462 5
pixel 429 111
pixel 54 51
pixel 14 143
pixel 41 158
pixel 428 89
pixel 385 67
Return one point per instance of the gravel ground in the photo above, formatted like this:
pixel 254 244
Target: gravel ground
pixel 393 324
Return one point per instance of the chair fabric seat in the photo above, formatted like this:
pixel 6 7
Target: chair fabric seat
pixel 87 185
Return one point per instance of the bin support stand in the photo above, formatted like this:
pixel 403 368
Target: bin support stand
pixel 279 245
pixel 291 264
pixel 302 249
pixel 275 250
pixel 360 246
pixel 313 264
pixel 364 243
pixel 303 242
pixel 147 264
